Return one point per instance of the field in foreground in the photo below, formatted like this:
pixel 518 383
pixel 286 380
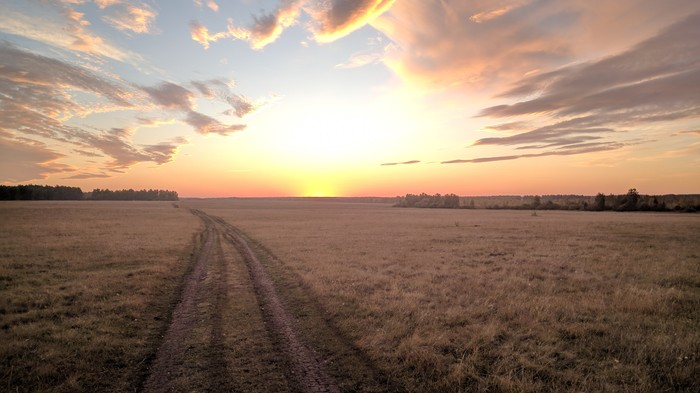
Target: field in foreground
pixel 428 300
pixel 444 300
pixel 86 289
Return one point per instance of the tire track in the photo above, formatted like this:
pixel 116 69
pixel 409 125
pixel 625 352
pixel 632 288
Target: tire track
pixel 171 354
pixel 208 284
pixel 306 369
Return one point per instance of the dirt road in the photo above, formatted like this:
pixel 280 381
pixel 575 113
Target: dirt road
pixel 205 339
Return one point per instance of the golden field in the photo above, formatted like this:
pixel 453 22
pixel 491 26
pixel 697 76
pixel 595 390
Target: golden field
pixel 86 289
pixel 429 300
pixel 479 300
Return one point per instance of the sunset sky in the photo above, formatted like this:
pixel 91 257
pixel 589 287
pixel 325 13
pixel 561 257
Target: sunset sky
pixel 352 97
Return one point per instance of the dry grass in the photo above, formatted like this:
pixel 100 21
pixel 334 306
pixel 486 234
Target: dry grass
pixel 86 289
pixel 446 300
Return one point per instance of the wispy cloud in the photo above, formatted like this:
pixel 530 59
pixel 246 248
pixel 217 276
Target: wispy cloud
pixel 132 18
pixel 212 87
pixel 201 34
pixel 204 124
pixel 361 59
pixel 241 105
pixel 655 81
pixel 267 27
pixel 564 151
pixel 87 175
pixel 401 163
pixel 66 29
pixel 107 3
pixel 211 4
pixel 36 101
pixel 171 96
pixel 688 132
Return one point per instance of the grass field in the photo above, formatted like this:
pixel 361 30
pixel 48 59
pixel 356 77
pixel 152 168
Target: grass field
pixel 433 300
pixel 86 289
pixel 445 300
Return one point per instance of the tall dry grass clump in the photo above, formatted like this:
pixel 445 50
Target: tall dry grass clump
pixel 86 289
pixel 473 300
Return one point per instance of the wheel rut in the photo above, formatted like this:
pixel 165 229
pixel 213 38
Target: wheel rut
pixel 206 284
pixel 306 368
pixel 168 364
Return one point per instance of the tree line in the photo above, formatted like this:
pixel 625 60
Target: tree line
pixel 449 201
pixel 132 195
pixel 631 201
pixel 32 192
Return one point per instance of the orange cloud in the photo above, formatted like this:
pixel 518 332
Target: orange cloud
pixel 330 21
pixel 201 34
pixel 340 18
pixel 481 46
pixel 268 27
pixel 137 19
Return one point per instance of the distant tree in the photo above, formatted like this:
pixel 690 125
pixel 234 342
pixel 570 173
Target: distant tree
pixel 599 203
pixel 536 202
pixel 630 201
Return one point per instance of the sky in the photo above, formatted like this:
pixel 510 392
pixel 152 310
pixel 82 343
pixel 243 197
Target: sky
pixel 215 98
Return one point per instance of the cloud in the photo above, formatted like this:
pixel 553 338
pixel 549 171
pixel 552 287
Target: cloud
pixel 20 161
pixel 210 4
pixel 483 45
pixel 164 152
pixel 201 34
pixel 107 3
pixel 339 18
pixel 213 6
pixel 659 73
pixel 554 134
pixel 171 96
pixel 485 16
pixel 36 99
pixel 116 143
pixel 64 29
pixel 136 19
pixel 241 105
pixel 212 87
pixel 204 124
pixel 87 153
pixel 689 132
pixel 267 27
pixel 88 175
pixel 44 78
pixel 564 151
pixel 361 59
pixel 592 106
pixel 154 121
pixel 330 20
pixel 510 126
pixel 400 163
